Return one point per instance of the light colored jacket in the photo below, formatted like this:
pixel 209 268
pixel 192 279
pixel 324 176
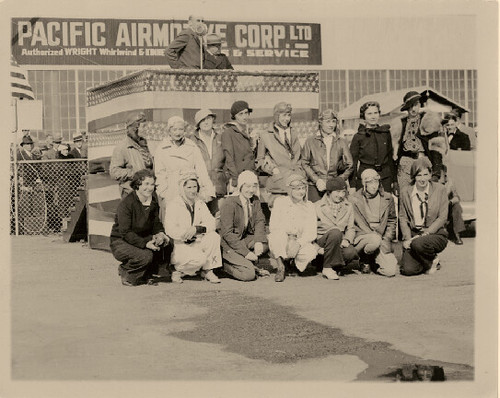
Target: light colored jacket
pixel 170 160
pixel 272 153
pixel 125 162
pixel 343 221
pixel 293 218
pixel 388 218
pixel 178 219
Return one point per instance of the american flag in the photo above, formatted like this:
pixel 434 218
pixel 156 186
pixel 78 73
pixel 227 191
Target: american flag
pixel 20 87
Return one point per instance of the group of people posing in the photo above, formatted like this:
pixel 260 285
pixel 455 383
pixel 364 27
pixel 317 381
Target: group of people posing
pixel 195 204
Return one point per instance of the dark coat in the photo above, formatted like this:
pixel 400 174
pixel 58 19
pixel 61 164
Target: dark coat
pixel 217 61
pixel 372 147
pixel 460 141
pixel 232 224
pixel 388 218
pixel 238 152
pixel 77 154
pixel 184 51
pixel 134 224
pixel 437 211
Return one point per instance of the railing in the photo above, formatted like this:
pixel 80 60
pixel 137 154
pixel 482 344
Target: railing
pixel 42 194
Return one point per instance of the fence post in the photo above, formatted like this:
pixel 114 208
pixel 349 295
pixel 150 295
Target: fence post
pixel 16 200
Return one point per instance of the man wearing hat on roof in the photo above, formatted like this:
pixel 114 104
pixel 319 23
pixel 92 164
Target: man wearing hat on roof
pixel 336 229
pixel 184 51
pixel 375 225
pixel 407 130
pixel 208 140
pixel 130 155
pixel 76 151
pixel 237 144
pixel 278 151
pixel 26 152
pixel 215 59
pixel 457 140
pixel 325 155
pixel 177 153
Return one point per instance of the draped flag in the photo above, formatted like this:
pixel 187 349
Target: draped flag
pixel 20 87
pixel 163 94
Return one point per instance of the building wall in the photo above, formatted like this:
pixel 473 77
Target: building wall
pixel 63 92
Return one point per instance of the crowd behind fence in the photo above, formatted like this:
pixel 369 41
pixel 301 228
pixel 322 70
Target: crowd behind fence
pixel 45 194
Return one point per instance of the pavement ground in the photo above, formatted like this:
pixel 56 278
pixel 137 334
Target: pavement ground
pixel 73 320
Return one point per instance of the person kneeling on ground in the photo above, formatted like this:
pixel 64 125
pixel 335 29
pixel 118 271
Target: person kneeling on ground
pixel 293 227
pixel 422 215
pixel 138 238
pixel 456 223
pixel 190 224
pixel 375 225
pixel 243 234
pixel 336 229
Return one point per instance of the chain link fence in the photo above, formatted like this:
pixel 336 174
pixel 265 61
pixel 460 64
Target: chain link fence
pixel 45 195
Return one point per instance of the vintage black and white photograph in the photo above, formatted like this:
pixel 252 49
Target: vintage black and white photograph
pixel 250 198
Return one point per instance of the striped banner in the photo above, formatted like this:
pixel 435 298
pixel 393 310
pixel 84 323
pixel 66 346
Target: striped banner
pixel 20 87
pixel 163 94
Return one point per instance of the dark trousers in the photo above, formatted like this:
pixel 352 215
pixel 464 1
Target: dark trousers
pixel 137 265
pixel 336 257
pixel 313 194
pixel 238 266
pixel 455 220
pixel 423 250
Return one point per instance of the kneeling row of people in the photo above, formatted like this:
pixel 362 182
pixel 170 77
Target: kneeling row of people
pixel 347 233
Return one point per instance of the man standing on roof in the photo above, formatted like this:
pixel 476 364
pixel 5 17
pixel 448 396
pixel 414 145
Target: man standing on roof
pixel 215 59
pixel 184 51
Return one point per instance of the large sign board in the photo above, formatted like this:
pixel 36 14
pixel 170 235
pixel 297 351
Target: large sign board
pixel 78 41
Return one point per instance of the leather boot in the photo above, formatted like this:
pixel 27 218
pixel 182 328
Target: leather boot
pixel 280 274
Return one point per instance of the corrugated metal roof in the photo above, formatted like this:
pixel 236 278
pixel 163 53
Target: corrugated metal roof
pixel 391 101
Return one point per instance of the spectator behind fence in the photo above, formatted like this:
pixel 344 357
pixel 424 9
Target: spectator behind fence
pixel 138 239
pixel 372 147
pixel 457 140
pixel 63 152
pixel 215 59
pixel 26 152
pixel 293 227
pixel 208 140
pixel 237 143
pixel 456 223
pixel 51 152
pixel 278 151
pixel 184 51
pixel 325 155
pixel 130 155
pixel 423 212
pixel 76 151
pixel 190 224
pixel 243 230
pixel 375 225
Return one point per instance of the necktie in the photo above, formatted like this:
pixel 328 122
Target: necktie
pixel 287 144
pixel 423 206
pixel 249 212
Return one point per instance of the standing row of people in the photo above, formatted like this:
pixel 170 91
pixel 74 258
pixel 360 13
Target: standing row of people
pixel 52 148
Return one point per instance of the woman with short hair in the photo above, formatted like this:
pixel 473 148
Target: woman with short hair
pixel 422 215
pixel 371 147
pixel 138 239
